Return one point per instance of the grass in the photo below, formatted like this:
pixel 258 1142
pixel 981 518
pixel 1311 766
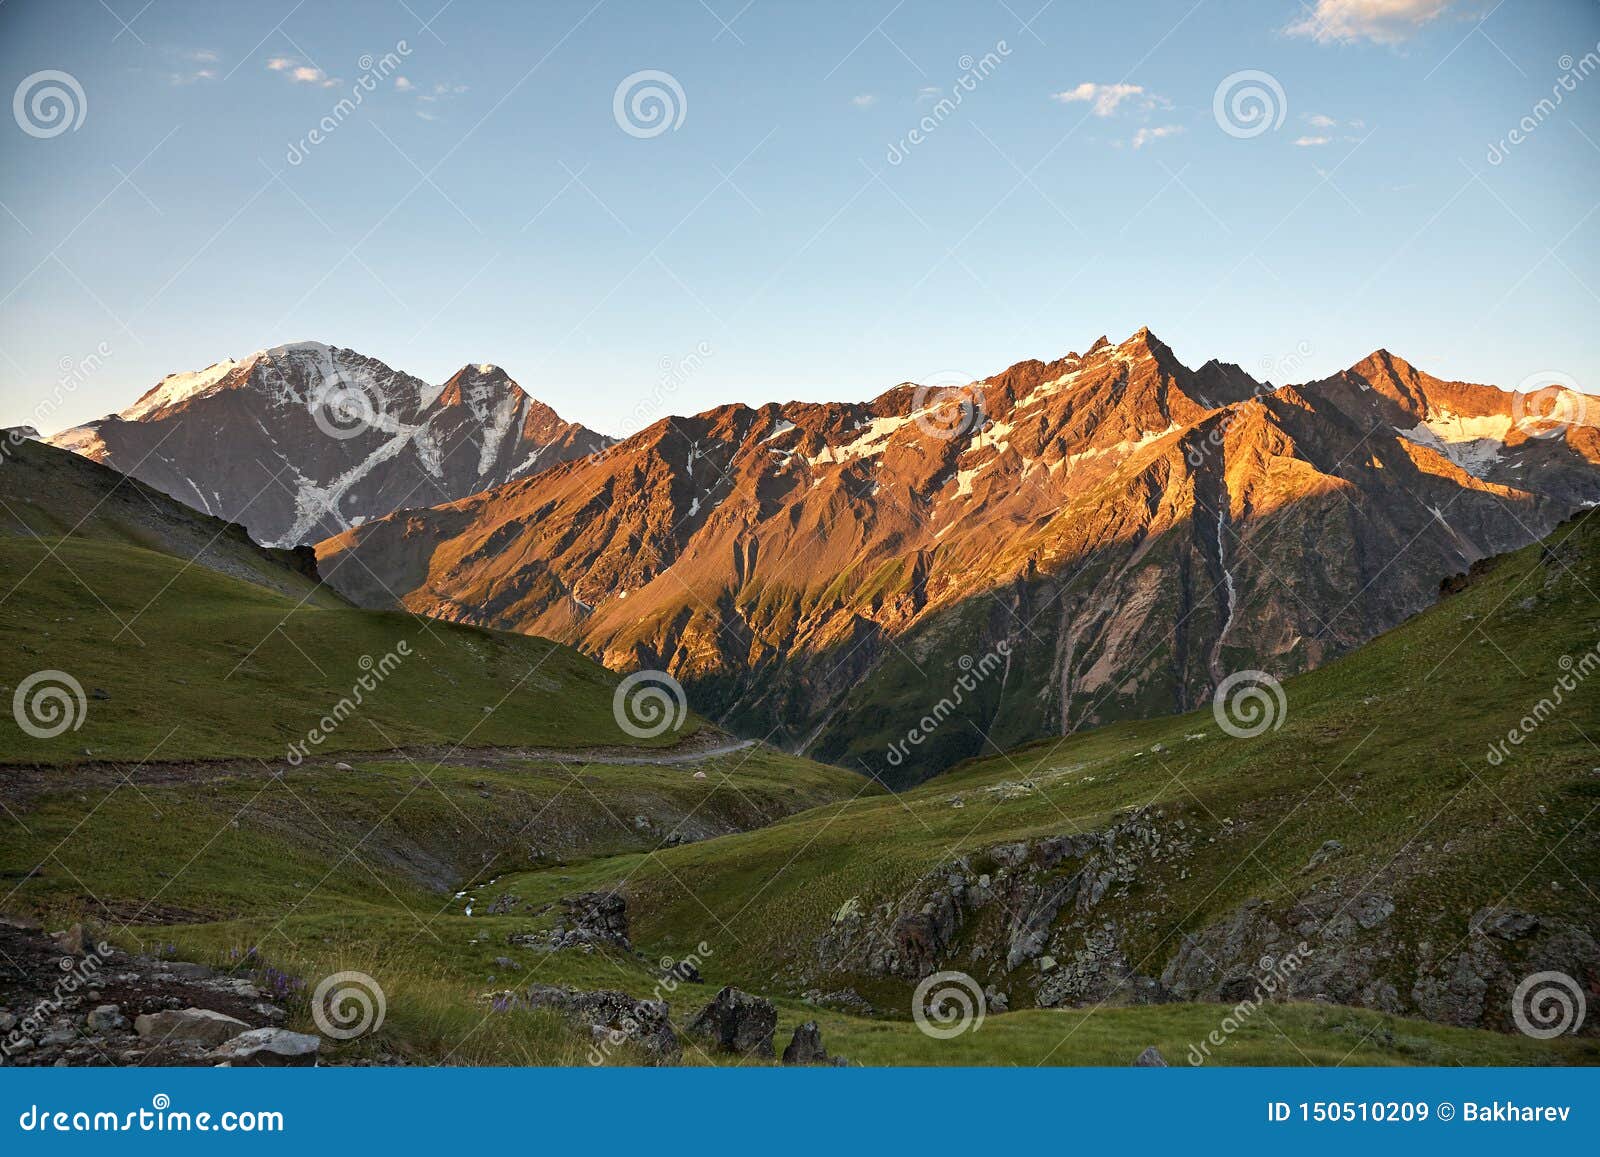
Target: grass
pixel 197 664
pixel 320 869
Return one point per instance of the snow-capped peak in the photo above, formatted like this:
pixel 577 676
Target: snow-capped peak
pixel 175 388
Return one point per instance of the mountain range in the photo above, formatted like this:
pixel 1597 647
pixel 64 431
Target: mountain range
pixel 1107 535
pixel 1124 529
pixel 301 441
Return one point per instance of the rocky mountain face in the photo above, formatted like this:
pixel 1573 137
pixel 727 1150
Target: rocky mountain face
pixel 303 441
pixel 898 584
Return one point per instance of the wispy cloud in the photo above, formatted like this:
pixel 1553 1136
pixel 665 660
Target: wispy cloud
pixel 1144 136
pixel 1311 142
pixel 1380 21
pixel 1321 121
pixel 301 73
pixel 401 84
pixel 1104 99
pixel 864 100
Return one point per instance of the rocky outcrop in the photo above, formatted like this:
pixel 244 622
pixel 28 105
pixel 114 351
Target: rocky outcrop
pixel 737 1022
pixel 805 1048
pixel 610 1018
pixel 588 921
pixel 998 911
pixel 1341 944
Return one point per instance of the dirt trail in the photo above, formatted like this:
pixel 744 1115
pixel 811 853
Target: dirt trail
pixel 27 780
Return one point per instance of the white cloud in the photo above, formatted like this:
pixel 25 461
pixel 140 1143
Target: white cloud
pixel 864 100
pixel 202 56
pixel 1319 121
pixel 1380 21
pixel 301 73
pixel 1103 97
pixel 1145 136
pixel 402 84
pixel 1311 142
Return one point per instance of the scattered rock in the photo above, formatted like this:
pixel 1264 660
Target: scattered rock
pixel 1322 855
pixel 199 1025
pixel 806 1046
pixel 268 1048
pixel 75 941
pixel 105 1018
pixel 1151 1058
pixel 737 1022
pixel 613 1016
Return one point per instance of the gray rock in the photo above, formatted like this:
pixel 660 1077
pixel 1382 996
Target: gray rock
pixel 737 1022
pixel 198 1025
pixel 1328 850
pixel 1151 1058
pixel 267 1048
pixel 593 919
pixel 806 1046
pixel 615 1016
pixel 105 1018
pixel 1505 923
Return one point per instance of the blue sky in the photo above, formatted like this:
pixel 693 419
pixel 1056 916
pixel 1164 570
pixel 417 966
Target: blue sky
pixel 491 207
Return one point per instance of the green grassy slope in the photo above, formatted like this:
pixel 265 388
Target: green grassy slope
pixel 199 664
pixel 1383 751
pixel 320 869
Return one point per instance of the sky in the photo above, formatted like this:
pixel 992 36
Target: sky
pixel 805 201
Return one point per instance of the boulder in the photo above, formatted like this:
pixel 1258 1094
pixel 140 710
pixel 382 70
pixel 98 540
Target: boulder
pixel 198 1025
pixel 1151 1058
pixel 613 1015
pixel 267 1048
pixel 594 918
pixel 105 1018
pixel 737 1022
pixel 806 1046
pixel 75 941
